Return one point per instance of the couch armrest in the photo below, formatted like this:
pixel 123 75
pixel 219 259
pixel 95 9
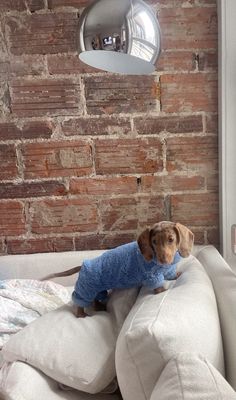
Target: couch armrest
pixel 224 283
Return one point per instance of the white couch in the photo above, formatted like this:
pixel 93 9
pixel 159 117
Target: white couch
pixel 179 344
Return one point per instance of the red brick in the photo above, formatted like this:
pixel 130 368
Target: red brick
pixel 207 2
pixel 42 33
pixel 196 154
pixel 12 220
pixel 67 64
pixel 27 65
pixel 37 130
pixel 172 124
pixel 125 156
pixel 39 40
pixel 213 237
pixel 16 66
pixel 188 28
pixel 4 99
pixel 189 92
pixel 96 126
pixel 9 131
pixel 2 247
pixel 56 159
pixel 104 186
pixel 195 209
pixel 170 3
pixel 63 216
pixel 170 183
pixel 3 46
pixel 30 130
pixel 68 3
pixel 114 94
pixel 30 97
pixel 199 237
pixel 213 182
pixel 174 61
pixel 186 3
pixel 113 240
pixel 103 241
pixel 151 209
pixel 20 5
pixel 182 3
pixel 207 61
pixel 89 242
pixel 126 213
pixel 212 123
pixel 35 5
pixel 8 5
pixel 31 189
pixel 8 162
pixel 39 245
pixel 119 214
pixel 4 70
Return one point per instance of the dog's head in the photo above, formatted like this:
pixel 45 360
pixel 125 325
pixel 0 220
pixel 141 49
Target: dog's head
pixel 164 239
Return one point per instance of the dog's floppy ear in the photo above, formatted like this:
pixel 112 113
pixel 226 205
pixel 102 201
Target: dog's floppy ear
pixel 186 238
pixel 145 245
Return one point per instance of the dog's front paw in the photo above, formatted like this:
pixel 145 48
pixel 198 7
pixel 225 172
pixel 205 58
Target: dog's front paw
pixel 79 312
pixel 99 306
pixel 159 290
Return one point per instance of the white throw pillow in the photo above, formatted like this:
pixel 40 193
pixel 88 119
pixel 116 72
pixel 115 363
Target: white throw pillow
pixel 20 381
pixel 183 318
pixel 191 377
pixel 79 353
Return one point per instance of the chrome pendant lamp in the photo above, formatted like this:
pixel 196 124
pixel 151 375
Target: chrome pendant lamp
pixel 121 36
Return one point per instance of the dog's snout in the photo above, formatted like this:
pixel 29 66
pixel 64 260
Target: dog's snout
pixel 161 259
pixel 165 258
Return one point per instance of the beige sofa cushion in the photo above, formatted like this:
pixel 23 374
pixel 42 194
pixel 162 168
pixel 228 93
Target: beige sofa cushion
pixel 184 318
pixel 80 352
pixel 191 377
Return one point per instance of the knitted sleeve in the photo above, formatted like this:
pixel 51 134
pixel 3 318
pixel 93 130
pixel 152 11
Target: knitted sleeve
pixel 170 273
pixel 154 281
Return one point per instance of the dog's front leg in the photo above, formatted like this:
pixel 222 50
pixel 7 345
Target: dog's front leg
pixel 79 312
pixel 99 306
pixel 174 277
pixel 159 290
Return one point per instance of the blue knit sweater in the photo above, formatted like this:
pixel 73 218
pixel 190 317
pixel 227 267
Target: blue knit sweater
pixel 119 268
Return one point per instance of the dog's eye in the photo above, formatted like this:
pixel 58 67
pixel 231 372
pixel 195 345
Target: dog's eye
pixel 154 241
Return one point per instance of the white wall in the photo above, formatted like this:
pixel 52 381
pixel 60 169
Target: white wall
pixel 227 116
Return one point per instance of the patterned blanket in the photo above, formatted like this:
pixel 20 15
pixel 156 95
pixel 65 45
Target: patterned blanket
pixel 24 300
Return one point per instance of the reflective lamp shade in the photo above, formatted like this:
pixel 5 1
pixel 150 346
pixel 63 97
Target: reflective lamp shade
pixel 121 36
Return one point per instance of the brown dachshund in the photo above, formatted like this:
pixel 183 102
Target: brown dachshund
pixel 148 262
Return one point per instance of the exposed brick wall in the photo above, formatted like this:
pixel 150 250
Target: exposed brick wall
pixel 88 159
